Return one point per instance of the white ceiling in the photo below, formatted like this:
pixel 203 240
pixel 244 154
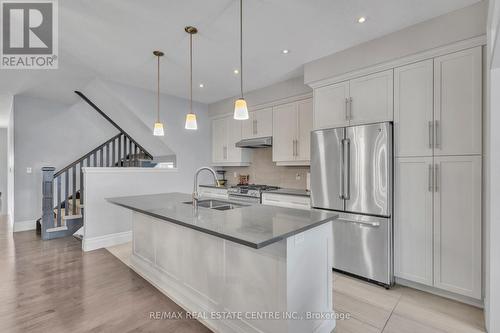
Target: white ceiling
pixel 114 40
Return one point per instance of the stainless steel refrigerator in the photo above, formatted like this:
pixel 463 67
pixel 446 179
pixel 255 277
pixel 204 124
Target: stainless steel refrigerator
pixel 352 173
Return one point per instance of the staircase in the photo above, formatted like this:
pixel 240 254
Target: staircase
pixel 63 191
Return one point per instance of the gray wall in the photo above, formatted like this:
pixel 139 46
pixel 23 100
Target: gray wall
pixel 53 134
pixel 281 90
pixel 3 171
pixel 453 27
pixel 49 134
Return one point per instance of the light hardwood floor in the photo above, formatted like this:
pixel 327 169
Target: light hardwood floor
pixel 373 309
pixel 52 286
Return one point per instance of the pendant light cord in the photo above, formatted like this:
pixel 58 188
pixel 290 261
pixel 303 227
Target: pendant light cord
pixel 158 91
pixel 191 73
pixel 241 48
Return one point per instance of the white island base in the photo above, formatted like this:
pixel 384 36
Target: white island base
pixel 232 287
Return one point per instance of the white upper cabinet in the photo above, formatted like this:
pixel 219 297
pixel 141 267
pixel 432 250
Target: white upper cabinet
pixel 292 125
pixel 458 103
pixel 371 98
pixel 284 132
pixel 364 100
pixel 413 109
pixel 219 140
pixel 259 124
pixel 305 125
pixel 226 132
pixel 331 106
pixel 413 213
pixel 457 224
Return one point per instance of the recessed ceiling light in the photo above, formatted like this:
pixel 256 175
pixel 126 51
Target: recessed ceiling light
pixel 362 19
pixel 236 71
pixel 202 85
pixel 285 51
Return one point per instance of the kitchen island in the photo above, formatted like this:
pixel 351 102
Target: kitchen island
pixel 236 267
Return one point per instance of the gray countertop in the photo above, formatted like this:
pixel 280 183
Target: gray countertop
pixel 290 191
pixel 254 225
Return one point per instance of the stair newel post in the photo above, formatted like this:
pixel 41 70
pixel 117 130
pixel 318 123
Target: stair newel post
pixel 120 150
pixel 47 200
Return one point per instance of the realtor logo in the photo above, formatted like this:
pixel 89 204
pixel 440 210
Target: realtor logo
pixel 29 38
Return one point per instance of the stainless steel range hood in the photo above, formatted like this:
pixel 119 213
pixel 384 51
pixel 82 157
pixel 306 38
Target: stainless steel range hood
pixel 256 143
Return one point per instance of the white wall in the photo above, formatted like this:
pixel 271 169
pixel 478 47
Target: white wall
pixel 192 148
pixel 4 171
pixel 278 91
pixel 47 133
pixel 106 224
pixel 10 163
pixel 453 27
pixel 492 176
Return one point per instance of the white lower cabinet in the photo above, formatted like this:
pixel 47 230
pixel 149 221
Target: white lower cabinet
pixel 437 222
pixel 287 201
pixel 457 224
pixel 413 210
pixel 216 192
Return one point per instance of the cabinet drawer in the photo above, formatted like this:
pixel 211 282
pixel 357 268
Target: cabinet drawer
pixel 213 192
pixel 288 201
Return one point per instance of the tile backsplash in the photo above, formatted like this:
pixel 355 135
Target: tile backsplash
pixel 264 171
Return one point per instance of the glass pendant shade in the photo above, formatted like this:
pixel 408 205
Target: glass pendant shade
pixel 158 129
pixel 191 123
pixel 240 109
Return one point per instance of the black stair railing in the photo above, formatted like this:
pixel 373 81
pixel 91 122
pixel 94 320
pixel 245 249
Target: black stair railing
pixel 63 191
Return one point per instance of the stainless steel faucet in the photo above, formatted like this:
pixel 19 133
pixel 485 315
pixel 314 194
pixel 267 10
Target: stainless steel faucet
pixel 195 189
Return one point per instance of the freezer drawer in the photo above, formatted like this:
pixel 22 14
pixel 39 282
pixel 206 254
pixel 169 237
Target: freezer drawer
pixel 362 245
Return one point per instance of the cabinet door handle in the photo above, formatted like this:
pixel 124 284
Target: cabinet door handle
pixel 224 152
pixel 350 108
pixel 346 108
pixel 430 177
pixel 297 148
pixel 436 177
pixel 431 131
pixel 255 126
pixel 437 135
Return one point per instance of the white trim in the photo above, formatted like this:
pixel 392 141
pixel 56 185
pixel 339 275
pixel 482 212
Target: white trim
pixel 94 243
pixel 436 52
pixel 24 225
pixel 230 164
pixel 271 104
pixel 443 293
pixel 115 170
pixel 293 163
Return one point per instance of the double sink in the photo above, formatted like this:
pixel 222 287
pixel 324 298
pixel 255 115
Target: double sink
pixel 217 204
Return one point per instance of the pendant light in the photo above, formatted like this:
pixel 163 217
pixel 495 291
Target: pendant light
pixel 191 123
pixel 240 105
pixel 158 127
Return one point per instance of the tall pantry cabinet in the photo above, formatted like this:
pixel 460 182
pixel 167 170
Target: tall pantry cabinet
pixel 437 138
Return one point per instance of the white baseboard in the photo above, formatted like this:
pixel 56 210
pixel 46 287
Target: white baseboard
pixel 94 243
pixel 443 293
pixel 24 225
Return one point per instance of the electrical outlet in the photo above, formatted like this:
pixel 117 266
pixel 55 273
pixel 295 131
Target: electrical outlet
pixel 297 176
pixel 235 175
pixel 29 170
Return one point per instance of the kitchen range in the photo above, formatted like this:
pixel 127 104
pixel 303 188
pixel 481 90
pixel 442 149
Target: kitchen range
pixel 250 193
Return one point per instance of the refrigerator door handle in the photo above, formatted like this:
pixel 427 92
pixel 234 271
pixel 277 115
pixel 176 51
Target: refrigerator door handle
pixel 431 130
pixel 342 170
pixel 347 166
